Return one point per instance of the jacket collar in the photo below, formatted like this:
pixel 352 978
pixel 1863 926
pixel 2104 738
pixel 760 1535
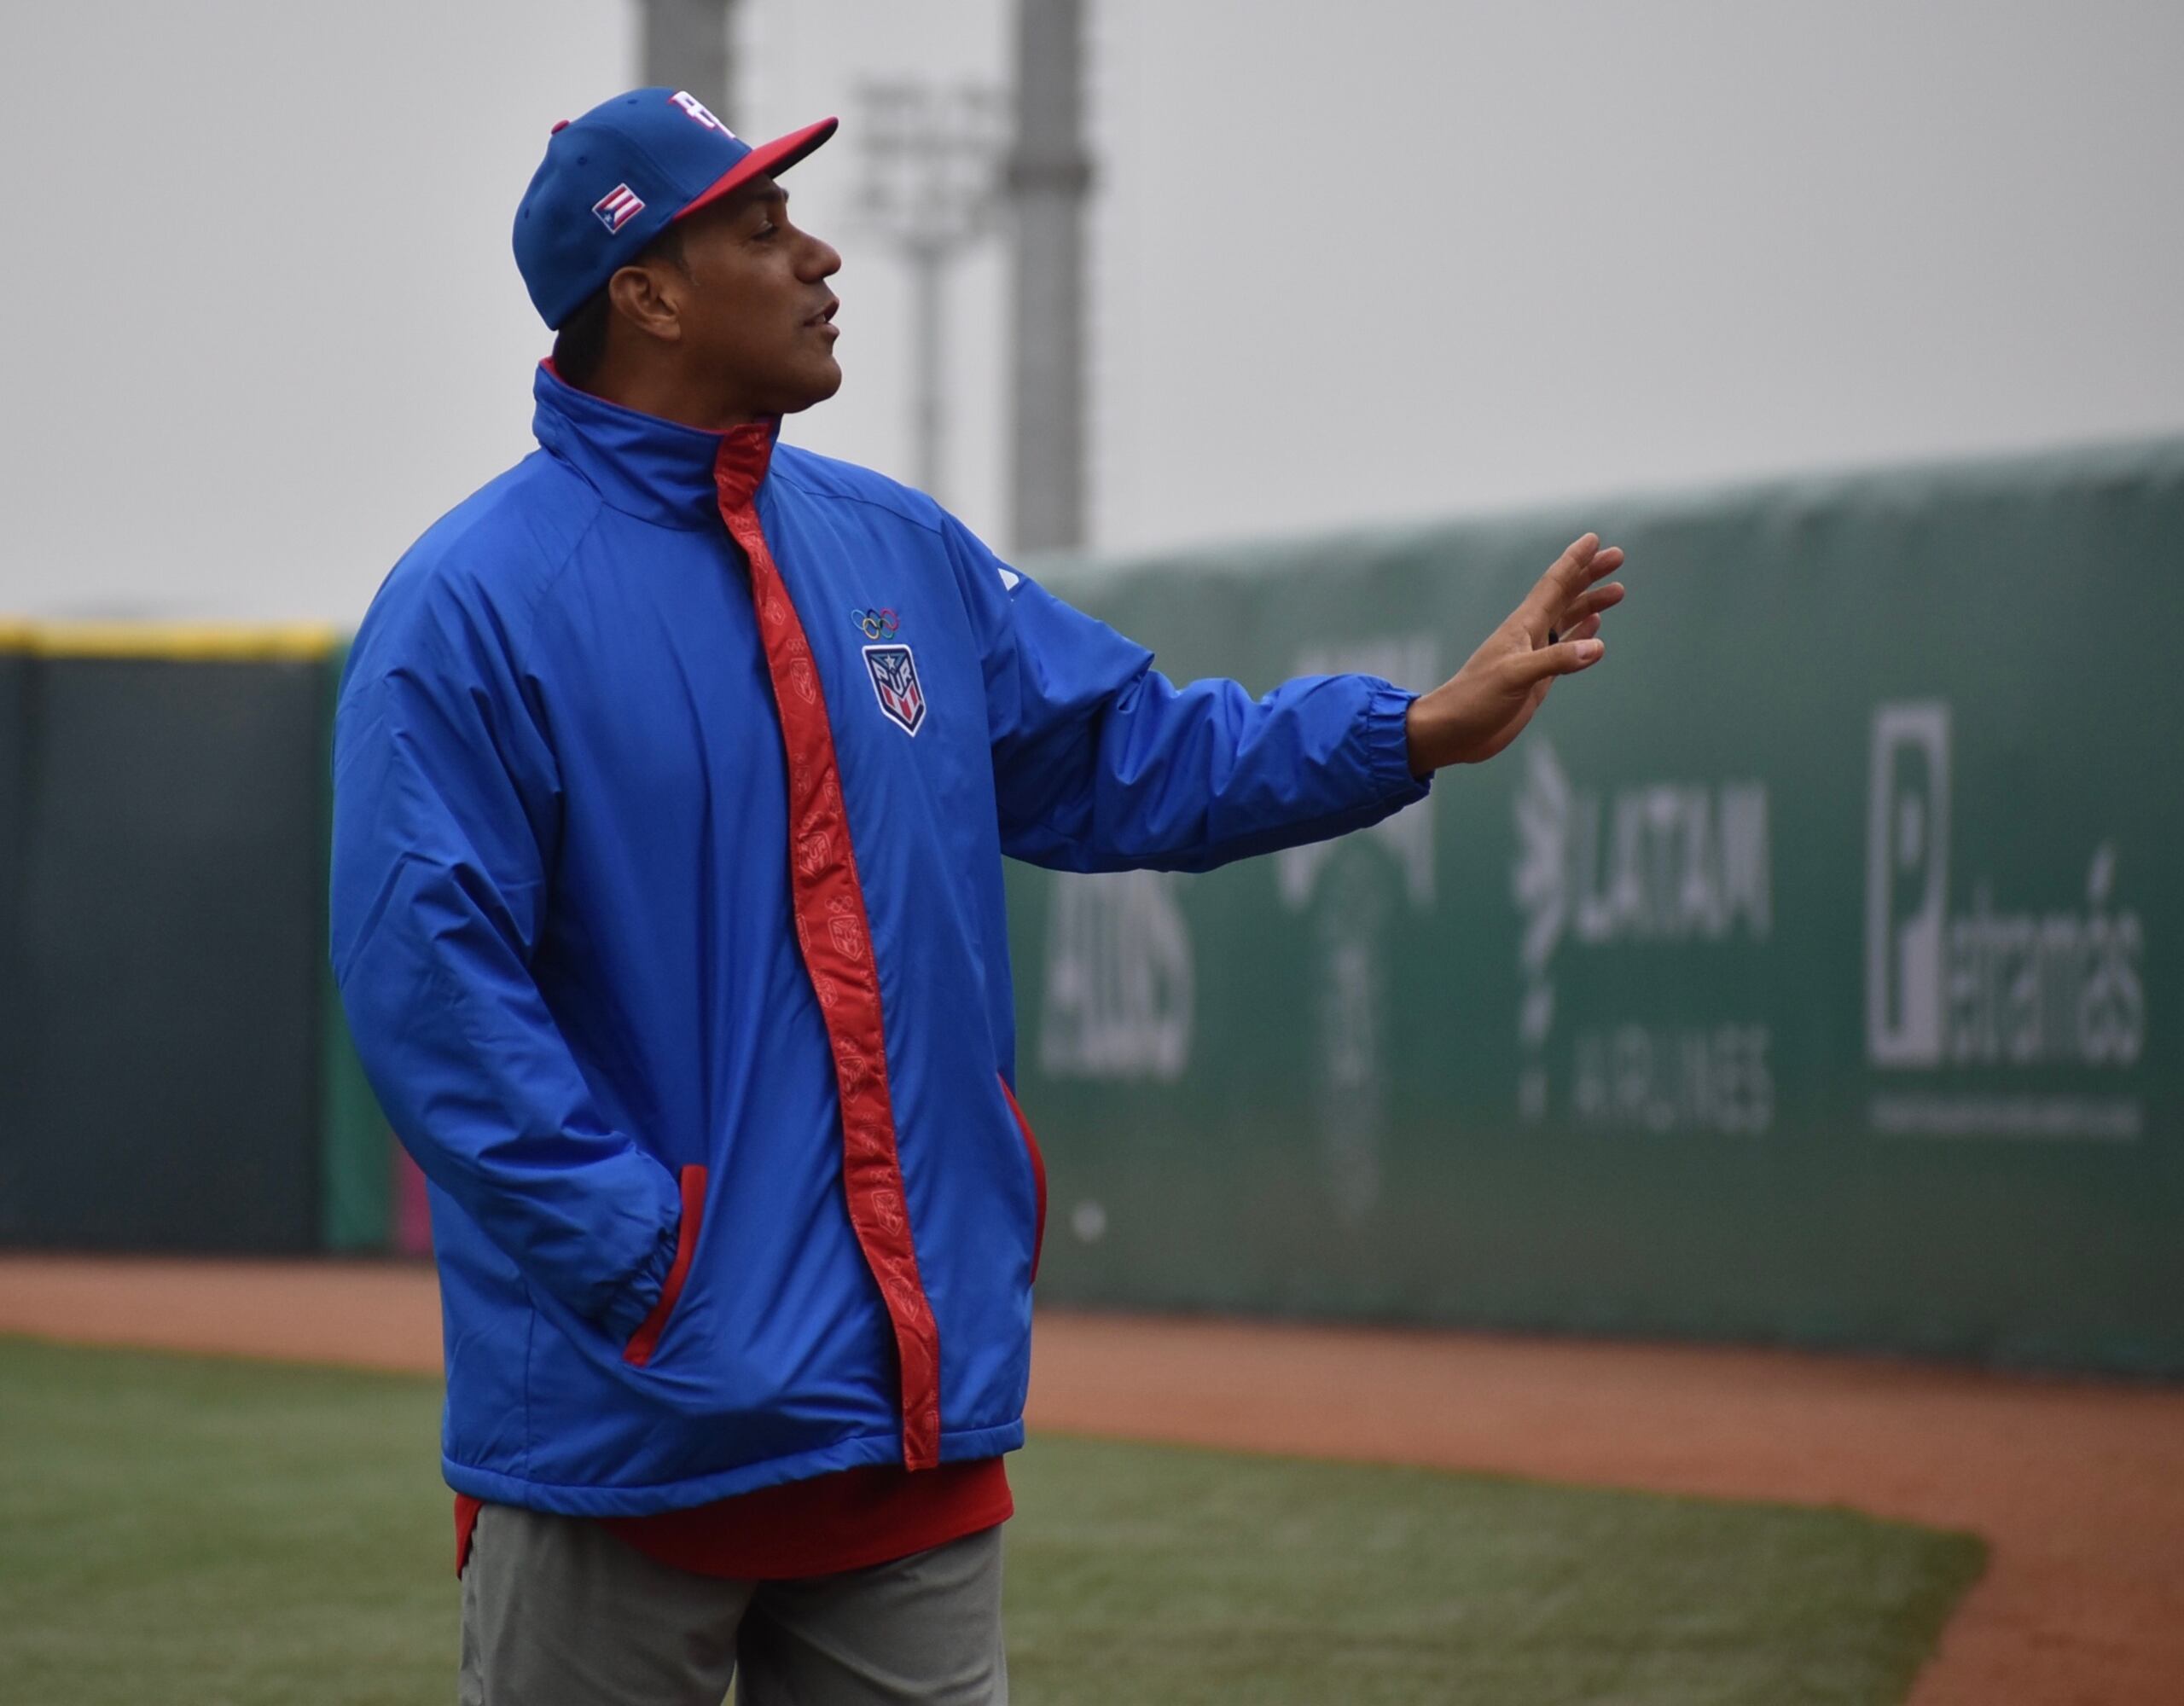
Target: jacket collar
pixel 656 470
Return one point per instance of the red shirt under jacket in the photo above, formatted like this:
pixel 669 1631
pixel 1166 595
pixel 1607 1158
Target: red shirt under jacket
pixel 849 1520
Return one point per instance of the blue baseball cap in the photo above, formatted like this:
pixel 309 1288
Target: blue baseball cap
pixel 614 179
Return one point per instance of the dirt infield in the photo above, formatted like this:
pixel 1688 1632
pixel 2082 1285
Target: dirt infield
pixel 2078 1485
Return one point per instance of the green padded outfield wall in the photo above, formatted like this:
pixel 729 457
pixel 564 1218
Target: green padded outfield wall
pixel 166 937
pixel 1812 971
pixel 15 733
pixel 359 1157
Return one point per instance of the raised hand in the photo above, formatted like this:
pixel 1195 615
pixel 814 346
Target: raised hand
pixel 1486 704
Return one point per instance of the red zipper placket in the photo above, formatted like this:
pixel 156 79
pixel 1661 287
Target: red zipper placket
pixel 835 934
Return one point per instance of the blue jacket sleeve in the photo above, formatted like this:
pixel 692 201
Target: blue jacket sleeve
pixel 445 800
pixel 1101 763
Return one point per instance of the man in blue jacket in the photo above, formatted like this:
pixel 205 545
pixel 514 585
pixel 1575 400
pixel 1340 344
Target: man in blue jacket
pixel 673 772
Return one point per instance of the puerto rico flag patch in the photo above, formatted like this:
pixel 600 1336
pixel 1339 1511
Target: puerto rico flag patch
pixel 894 673
pixel 618 206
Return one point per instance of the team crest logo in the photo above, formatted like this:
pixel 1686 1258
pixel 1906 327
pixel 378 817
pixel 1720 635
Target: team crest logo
pixel 618 207
pixel 894 674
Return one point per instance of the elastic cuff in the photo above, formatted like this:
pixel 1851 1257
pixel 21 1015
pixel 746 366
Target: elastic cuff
pixel 635 1297
pixel 1387 744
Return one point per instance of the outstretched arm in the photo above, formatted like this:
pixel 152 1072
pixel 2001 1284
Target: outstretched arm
pixel 1101 763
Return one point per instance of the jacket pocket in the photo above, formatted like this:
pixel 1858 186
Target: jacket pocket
pixel 638 1352
pixel 1038 1175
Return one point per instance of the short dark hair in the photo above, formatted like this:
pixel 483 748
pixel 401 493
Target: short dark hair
pixel 580 344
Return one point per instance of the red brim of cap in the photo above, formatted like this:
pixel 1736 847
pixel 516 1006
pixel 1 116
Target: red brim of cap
pixel 778 155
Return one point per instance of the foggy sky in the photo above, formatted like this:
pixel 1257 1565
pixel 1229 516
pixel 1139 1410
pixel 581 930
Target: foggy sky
pixel 1386 259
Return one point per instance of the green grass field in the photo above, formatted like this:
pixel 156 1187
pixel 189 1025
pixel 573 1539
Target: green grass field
pixel 181 1530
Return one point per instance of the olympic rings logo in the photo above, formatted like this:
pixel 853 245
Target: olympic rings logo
pixel 878 624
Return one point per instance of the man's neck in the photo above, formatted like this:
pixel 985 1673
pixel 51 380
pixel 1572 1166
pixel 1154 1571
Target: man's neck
pixel 670 396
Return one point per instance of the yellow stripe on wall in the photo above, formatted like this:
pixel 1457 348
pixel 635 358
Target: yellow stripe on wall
pixel 190 642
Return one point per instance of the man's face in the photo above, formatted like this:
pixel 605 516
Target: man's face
pixel 756 311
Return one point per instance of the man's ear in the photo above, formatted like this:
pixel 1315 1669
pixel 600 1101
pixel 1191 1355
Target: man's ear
pixel 647 299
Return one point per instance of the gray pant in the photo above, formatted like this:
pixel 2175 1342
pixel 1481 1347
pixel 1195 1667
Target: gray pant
pixel 557 1611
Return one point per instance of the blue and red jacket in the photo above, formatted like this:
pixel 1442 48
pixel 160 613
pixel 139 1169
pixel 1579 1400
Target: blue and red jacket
pixel 673 772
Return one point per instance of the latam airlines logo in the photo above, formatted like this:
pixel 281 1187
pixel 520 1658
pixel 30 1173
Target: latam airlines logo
pixel 618 207
pixel 1981 986
pixel 1682 866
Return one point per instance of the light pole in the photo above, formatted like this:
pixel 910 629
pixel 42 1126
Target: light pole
pixel 932 188
pixel 686 46
pixel 1050 187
